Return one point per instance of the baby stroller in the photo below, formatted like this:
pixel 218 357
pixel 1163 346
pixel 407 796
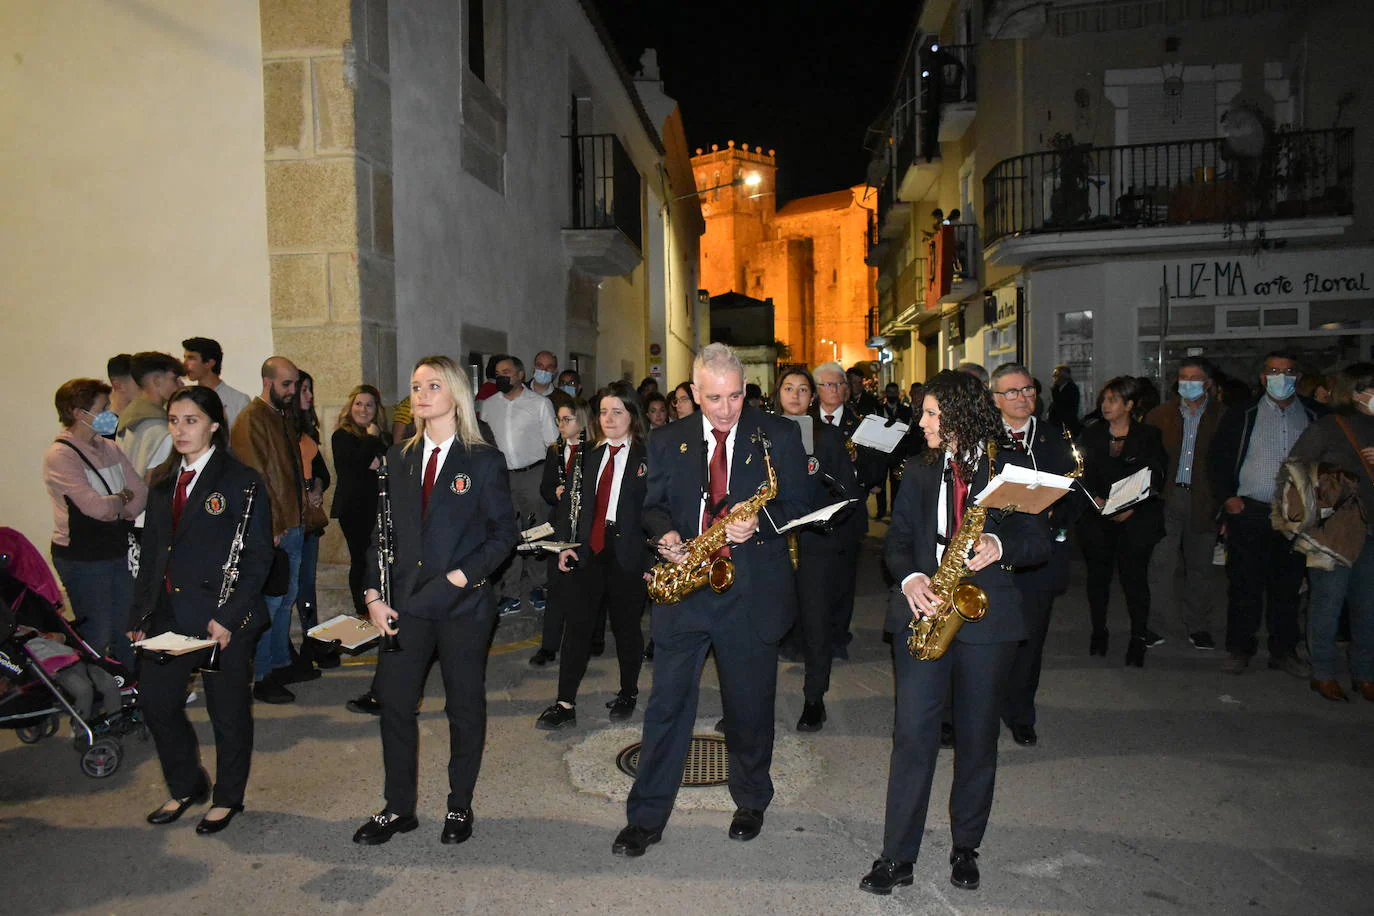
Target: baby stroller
pixel 31 701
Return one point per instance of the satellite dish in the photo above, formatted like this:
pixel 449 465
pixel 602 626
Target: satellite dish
pixel 1244 133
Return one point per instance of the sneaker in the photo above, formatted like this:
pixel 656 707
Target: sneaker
pixel 539 598
pixel 508 606
pixel 1202 640
pixel 1235 664
pixel 555 717
pixel 1153 639
pixel 1290 664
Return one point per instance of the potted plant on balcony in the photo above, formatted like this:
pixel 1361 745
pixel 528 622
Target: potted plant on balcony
pixel 1069 197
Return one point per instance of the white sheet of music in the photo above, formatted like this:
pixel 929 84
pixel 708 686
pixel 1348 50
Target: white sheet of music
pixel 874 433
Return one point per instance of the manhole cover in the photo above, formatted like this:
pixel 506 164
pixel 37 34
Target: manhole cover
pixel 708 763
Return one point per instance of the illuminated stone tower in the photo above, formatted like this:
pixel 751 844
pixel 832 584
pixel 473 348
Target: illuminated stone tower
pixel 737 216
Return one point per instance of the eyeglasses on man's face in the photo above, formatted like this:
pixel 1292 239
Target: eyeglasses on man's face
pixel 1288 372
pixel 832 385
pixel 1016 394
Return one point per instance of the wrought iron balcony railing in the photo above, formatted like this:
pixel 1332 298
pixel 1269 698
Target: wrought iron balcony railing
pixel 1298 174
pixel 606 187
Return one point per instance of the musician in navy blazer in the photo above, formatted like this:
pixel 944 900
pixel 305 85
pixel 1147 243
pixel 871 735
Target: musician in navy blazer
pixel 743 623
pixel 195 506
pixel 611 556
pixel 959 421
pixel 453 524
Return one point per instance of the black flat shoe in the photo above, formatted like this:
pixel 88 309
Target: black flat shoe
pixel 812 717
pixel 542 658
pixel 964 872
pixel 1135 652
pixel 635 841
pixel 746 824
pixel 622 707
pixel 367 704
pixel 457 826
pixel 162 816
pixel 1098 644
pixel 270 690
pixel 1024 735
pixel 207 826
pixel 382 826
pixel 555 717
pixel 886 875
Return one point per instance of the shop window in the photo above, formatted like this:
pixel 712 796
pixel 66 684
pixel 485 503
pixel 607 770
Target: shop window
pixel 1075 348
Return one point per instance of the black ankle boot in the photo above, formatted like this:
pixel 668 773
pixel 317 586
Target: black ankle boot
pixel 1098 645
pixel 1135 652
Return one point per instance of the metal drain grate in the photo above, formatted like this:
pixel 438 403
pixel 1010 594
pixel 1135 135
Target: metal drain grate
pixel 708 762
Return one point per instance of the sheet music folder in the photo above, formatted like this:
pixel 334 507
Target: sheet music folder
pixel 1024 489
pixel 351 632
pixel 174 643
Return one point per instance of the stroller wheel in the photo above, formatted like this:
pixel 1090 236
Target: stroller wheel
pixel 102 758
pixel 32 734
pixel 49 727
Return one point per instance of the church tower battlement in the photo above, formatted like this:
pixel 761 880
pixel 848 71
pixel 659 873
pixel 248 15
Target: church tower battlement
pixel 737 214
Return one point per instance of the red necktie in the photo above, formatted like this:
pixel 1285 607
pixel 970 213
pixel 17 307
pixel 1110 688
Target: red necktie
pixel 572 456
pixel 603 501
pixel 719 485
pixel 431 469
pixel 960 495
pixel 179 497
pixel 1019 440
pixel 830 418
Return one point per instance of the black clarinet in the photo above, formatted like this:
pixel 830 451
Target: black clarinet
pixel 231 571
pixel 386 550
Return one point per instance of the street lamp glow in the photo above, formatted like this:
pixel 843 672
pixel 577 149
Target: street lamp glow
pixel 753 180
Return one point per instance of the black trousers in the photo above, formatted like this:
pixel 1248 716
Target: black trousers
pixel 399 684
pixel 1023 677
pixel 748 669
pixel 973 675
pixel 229 700
pixel 1266 575
pixel 358 532
pixel 601 579
pixel 825 576
pixel 1123 547
pixel 842 606
pixel 556 601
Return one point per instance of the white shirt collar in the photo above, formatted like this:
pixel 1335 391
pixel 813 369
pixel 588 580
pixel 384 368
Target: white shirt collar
pixel 1024 428
pixel 199 464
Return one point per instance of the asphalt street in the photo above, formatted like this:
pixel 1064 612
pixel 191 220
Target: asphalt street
pixel 1170 789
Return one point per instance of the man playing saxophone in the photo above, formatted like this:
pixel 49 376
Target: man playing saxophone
pixel 933 523
pixel 705 475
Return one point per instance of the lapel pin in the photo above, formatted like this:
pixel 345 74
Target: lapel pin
pixel 682 448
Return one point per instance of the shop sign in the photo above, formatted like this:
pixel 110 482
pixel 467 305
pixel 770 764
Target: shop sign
pixel 1242 278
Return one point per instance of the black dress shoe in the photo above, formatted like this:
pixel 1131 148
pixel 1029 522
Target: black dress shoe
pixel 746 824
pixel 622 707
pixel 1098 644
pixel 270 690
pixel 634 841
pixel 1024 735
pixel 886 875
pixel 162 816
pixel 327 660
pixel 946 735
pixel 964 872
pixel 812 717
pixel 207 826
pixel 457 826
pixel 1135 652
pixel 382 826
pixel 367 704
pixel 555 717
pixel 542 658
pixel 302 670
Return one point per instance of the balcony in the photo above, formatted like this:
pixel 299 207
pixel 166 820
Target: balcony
pixel 1191 194
pixel 897 311
pixel 954 67
pixel 604 228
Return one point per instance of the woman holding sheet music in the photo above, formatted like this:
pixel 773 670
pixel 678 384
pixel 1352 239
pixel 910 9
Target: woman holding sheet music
pixel 1114 450
pixel 195 508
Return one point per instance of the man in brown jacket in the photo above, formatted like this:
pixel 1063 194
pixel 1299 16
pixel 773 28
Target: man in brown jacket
pixel 1188 422
pixel 263 439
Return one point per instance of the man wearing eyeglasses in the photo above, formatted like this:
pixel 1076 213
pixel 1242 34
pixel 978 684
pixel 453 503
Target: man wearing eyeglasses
pixel 1264 570
pixel 1013 390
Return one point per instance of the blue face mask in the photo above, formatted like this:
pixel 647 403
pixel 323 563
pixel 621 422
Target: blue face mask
pixel 1191 390
pixel 104 423
pixel 542 376
pixel 1280 387
pixel 569 390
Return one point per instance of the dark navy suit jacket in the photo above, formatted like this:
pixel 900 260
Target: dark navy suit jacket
pixel 627 538
pixel 192 556
pixel 1052 453
pixel 677 477
pixel 470 526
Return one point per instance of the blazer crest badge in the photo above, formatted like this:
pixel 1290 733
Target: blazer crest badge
pixel 460 484
pixel 215 503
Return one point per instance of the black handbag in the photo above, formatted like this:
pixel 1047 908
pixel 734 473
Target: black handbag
pixel 96 540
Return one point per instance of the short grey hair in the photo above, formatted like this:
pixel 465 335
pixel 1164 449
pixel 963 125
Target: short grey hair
pixel 718 359
pixel 833 366
pixel 975 370
pixel 1010 369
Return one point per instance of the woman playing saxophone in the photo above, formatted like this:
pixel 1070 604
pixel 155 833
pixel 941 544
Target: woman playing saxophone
pixel 934 513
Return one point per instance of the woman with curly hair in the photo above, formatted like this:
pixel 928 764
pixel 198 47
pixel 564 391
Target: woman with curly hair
pixel 960 424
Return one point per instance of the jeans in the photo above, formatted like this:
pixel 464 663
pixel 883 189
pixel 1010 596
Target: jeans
pixel 100 593
pixel 1329 590
pixel 274 648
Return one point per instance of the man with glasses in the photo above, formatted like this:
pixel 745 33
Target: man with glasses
pixel 1264 570
pixel 1013 391
pixel 1188 424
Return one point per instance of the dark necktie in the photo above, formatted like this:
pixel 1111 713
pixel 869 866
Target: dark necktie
pixel 719 486
pixel 603 501
pixel 959 495
pixel 1019 440
pixel 431 469
pixel 179 497
pixel 572 456
pixel 830 418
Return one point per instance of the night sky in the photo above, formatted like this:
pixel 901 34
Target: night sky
pixel 803 77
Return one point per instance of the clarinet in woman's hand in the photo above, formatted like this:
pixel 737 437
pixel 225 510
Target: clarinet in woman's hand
pixel 386 550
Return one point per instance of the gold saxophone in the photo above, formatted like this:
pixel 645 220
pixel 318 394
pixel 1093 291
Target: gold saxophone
pixel 959 601
pixel 670 582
